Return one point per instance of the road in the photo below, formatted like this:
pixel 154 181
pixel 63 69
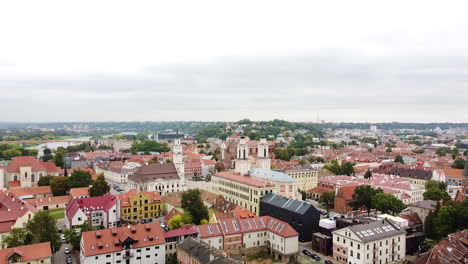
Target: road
pixel 305 259
pixel 60 256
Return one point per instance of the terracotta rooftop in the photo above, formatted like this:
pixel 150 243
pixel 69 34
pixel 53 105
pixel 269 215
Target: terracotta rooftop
pixel 27 253
pixel 40 190
pixel 79 191
pixel 110 240
pixel 452 249
pixel 229 175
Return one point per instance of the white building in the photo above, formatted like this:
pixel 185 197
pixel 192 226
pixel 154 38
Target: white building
pixel 98 211
pixel 377 242
pixel 133 244
pixel 162 178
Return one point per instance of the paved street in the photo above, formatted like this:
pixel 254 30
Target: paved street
pixel 305 259
pixel 60 256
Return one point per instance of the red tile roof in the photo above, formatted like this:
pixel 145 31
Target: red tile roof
pixel 452 249
pixel 90 204
pixel 453 173
pixel 229 175
pixel 41 201
pixel 79 191
pixel 50 167
pixel 24 161
pixel 226 227
pixel 110 240
pixel 183 231
pixel 11 208
pixel 413 219
pixel 27 253
pixel 40 190
pixel 14 184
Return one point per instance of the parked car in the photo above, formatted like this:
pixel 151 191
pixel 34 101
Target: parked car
pixel 307 253
pixel 63 238
pixel 69 260
pixel 316 257
pixel 328 262
pixel 67 250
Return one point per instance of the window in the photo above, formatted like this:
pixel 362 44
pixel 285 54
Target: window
pixel 138 250
pixel 147 256
pixel 147 249
pixel 358 256
pixel 108 256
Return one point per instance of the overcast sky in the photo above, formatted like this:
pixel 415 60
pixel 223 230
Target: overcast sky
pixel 207 60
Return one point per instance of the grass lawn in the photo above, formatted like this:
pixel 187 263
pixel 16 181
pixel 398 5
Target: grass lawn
pixel 57 213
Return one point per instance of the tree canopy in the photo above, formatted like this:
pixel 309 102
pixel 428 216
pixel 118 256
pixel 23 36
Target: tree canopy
pixel 192 203
pixel 459 164
pixel 59 185
pixel 363 197
pixel 80 178
pixel 346 168
pixel 45 180
pixel 100 187
pixel 388 203
pixel 327 200
pixel 436 190
pixel 44 228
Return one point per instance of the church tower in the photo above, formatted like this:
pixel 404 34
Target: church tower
pixel 242 160
pixel 178 161
pixel 263 159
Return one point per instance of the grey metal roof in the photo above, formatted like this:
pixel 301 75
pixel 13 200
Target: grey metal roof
pixel 376 230
pixel 195 249
pixel 426 204
pixel 299 207
pixel 270 175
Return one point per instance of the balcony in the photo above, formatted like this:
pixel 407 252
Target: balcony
pixel 127 255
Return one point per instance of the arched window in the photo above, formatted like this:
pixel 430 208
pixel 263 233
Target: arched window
pixel 33 177
pixel 264 153
pixel 15 178
pixel 26 175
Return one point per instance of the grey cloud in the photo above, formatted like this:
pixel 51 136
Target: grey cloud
pixel 302 83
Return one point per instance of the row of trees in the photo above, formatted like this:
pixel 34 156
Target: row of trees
pixel 446 219
pixel 369 198
pixel 149 146
pixel 60 185
pixel 346 168
pixel 9 151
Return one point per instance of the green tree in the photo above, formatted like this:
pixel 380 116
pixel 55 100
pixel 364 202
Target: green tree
pixel 47 157
pixel 429 226
pixel 100 187
pixel 44 227
pixel 18 237
pixel 73 237
pixel 59 185
pixel 362 197
pixel 459 164
pixel 58 159
pixel 303 194
pixel 47 151
pixel 388 150
pixel 347 168
pixel 387 203
pixel 436 190
pixel 427 244
pixel 334 167
pixel 192 203
pixel 399 159
pixel 11 153
pixel 445 221
pixel 80 178
pixel 303 162
pixel 45 180
pixel 180 220
pixel 368 174
pixel 88 149
pixel 328 200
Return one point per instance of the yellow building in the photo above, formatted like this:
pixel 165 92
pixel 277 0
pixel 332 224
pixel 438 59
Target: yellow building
pixel 136 206
pixel 305 179
pixel 242 190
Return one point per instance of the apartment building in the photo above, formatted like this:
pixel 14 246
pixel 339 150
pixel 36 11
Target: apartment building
pixel 376 242
pixel 132 244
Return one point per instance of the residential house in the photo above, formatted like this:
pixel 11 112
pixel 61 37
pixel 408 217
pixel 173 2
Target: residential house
pixel 132 244
pixel 29 254
pixel 177 236
pixel 14 213
pixel 379 241
pixel 99 211
pixel 140 206
pixel 192 251
pixel 82 192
